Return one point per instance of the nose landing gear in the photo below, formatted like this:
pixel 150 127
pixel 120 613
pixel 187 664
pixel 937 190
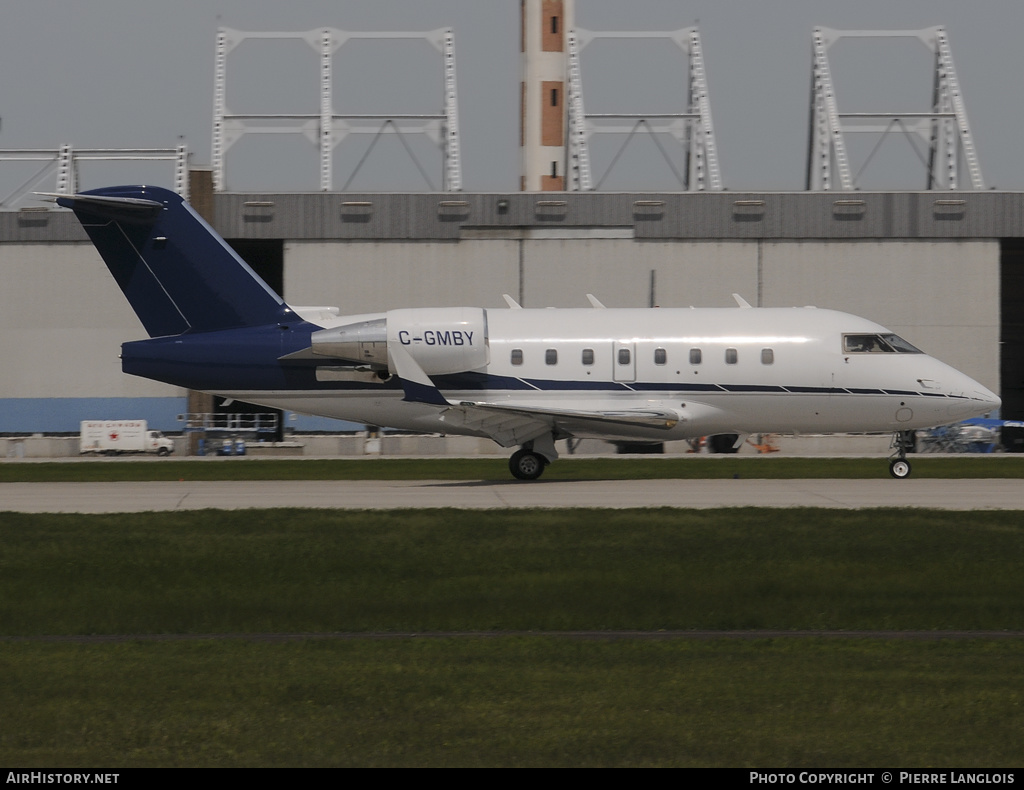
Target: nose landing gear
pixel 899 466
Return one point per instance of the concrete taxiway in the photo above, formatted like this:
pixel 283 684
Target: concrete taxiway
pixel 972 494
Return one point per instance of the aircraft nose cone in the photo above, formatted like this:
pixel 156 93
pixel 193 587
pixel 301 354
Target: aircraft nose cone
pixel 989 401
pixel 976 400
pixel 967 397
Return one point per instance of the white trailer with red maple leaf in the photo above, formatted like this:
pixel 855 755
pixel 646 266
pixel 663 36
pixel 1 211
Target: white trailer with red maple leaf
pixel 113 437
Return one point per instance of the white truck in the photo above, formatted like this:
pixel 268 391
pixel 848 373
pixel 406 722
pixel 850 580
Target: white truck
pixel 113 437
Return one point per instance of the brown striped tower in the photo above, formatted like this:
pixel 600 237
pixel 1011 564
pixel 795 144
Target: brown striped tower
pixel 543 115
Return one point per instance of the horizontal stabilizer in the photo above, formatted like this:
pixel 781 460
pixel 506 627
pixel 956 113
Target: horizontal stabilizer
pixel 117 208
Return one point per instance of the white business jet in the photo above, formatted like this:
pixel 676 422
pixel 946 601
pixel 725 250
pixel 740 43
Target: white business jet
pixel 524 378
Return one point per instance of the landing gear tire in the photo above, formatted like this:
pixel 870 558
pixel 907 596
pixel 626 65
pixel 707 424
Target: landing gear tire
pixel 526 465
pixel 902 442
pixel 899 468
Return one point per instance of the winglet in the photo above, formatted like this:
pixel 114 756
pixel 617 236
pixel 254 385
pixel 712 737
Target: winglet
pixel 594 301
pixel 741 301
pixel 512 303
pixel 416 384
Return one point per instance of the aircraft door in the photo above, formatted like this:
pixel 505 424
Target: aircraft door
pixel 624 361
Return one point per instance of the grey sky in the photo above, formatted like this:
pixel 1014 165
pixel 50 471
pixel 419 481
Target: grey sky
pixel 139 73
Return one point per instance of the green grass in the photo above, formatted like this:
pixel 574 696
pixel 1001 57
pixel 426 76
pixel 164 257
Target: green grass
pixel 701 467
pixel 522 701
pixel 511 700
pixel 298 570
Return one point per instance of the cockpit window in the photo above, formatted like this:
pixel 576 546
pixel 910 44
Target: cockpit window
pixel 901 345
pixel 864 344
pixel 877 344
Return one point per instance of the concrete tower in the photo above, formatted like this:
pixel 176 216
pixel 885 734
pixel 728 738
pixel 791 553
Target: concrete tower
pixel 543 115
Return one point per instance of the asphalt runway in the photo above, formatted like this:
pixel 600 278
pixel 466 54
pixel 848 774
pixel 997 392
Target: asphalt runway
pixel 971 494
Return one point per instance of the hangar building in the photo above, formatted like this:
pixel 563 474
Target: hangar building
pixel 945 270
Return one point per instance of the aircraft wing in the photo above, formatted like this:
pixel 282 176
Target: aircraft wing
pixel 516 423
pixel 511 424
pixel 508 427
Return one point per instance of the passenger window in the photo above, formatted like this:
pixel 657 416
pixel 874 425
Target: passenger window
pixel 588 356
pixel 624 356
pixel 731 356
pixel 660 356
pixel 551 356
pixel 695 356
pixel 517 356
pixel 767 356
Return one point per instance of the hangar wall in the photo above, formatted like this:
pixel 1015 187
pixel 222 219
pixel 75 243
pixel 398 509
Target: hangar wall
pixel 62 320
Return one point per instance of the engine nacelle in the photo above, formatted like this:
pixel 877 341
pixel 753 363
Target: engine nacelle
pixel 441 339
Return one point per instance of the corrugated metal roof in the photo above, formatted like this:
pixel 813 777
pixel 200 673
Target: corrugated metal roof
pixel 689 215
pixel 45 226
pixel 708 215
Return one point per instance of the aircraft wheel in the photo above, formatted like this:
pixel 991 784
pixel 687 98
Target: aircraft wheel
pixel 899 468
pixel 526 465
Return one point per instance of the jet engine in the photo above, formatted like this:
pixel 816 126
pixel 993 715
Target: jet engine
pixel 441 340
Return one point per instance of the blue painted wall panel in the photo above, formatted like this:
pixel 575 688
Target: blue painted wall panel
pixel 64 415
pixel 307 424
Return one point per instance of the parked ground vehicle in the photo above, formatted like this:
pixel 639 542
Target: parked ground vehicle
pixel 113 437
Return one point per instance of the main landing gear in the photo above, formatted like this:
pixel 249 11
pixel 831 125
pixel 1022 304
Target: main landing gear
pixel 526 464
pixel 899 466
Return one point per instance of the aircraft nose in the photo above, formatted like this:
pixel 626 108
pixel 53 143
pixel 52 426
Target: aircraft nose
pixel 987 399
pixel 974 399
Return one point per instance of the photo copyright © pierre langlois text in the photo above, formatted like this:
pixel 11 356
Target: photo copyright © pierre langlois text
pixel 883 777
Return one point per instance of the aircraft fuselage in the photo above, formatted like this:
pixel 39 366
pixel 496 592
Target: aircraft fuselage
pixel 718 370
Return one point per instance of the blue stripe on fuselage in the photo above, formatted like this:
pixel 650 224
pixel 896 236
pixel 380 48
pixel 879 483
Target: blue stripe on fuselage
pixel 248 359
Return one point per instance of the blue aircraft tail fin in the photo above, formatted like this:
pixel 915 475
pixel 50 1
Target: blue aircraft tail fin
pixel 178 274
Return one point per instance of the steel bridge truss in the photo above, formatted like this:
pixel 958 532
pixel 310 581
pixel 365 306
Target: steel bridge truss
pixel 692 129
pixel 945 129
pixel 326 129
